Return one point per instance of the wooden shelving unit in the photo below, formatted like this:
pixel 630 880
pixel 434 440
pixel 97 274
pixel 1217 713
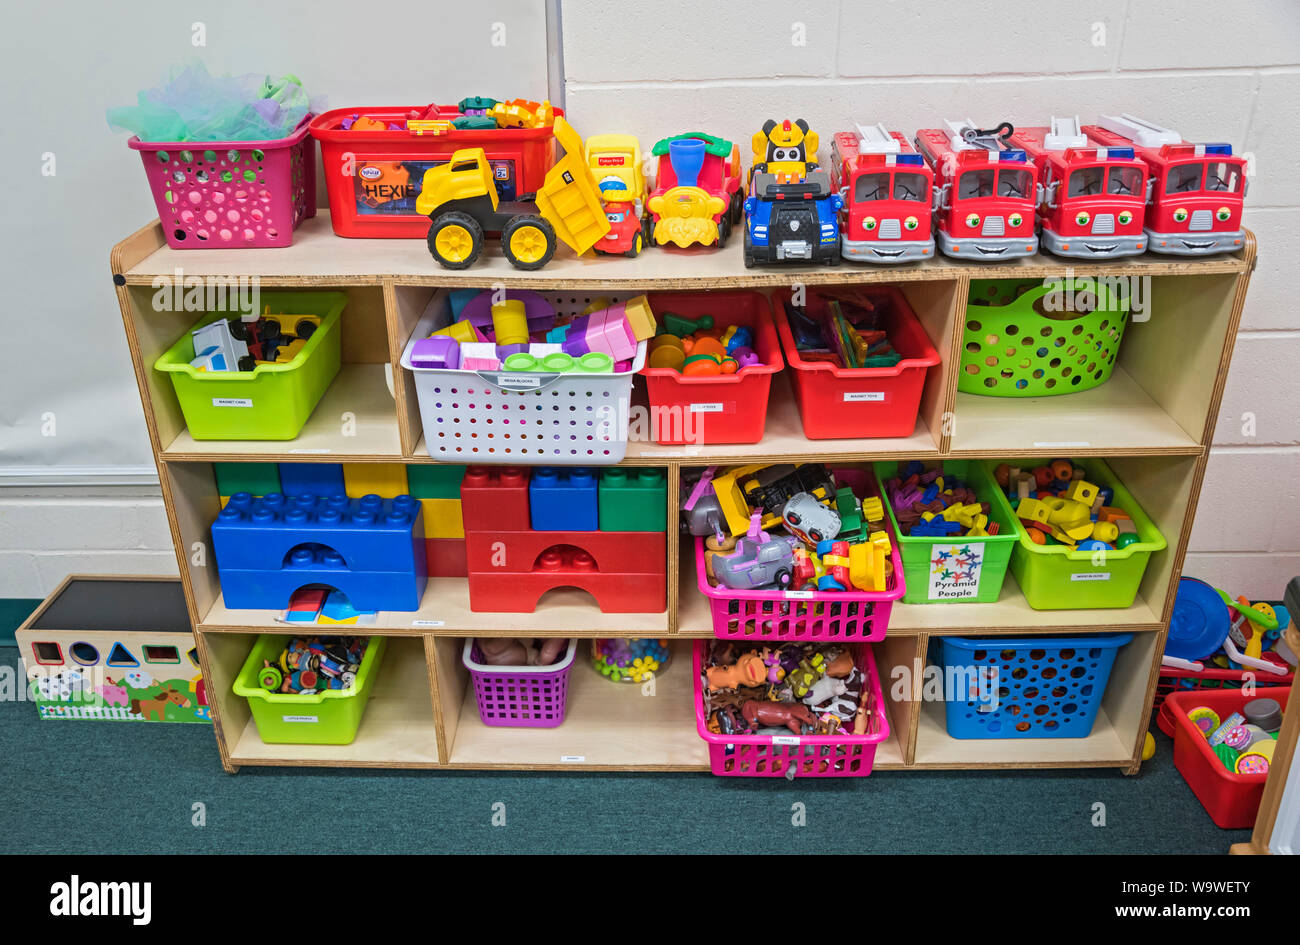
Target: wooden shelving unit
pixel 1152 422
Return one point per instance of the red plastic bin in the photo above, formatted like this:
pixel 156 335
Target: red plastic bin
pixel 731 408
pixel 1212 678
pixel 852 403
pixel 373 177
pixel 843 755
pixel 1231 799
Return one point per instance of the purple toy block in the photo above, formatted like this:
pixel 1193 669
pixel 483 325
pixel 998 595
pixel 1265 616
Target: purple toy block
pixel 539 313
pixel 440 351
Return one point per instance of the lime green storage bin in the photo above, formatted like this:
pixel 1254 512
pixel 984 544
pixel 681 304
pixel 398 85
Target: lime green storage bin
pixel 272 401
pixel 1052 577
pixel 331 717
pixel 1038 338
pixel 988 557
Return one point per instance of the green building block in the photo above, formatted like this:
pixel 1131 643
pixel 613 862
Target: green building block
pixel 633 500
pixel 850 514
pixel 434 480
pixel 254 478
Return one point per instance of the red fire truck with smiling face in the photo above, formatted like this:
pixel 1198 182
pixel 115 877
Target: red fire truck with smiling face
pixel 1196 192
pixel 886 188
pixel 985 192
pixel 1092 196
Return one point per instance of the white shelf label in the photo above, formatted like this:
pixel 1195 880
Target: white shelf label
pixel 1061 444
pixel 299 718
pixel 706 408
pixel 428 623
pixel 799 595
pixel 1091 576
pixel 232 402
pixel 573 759
pixel 785 739
pixel 519 381
pixel 324 449
pixel 859 396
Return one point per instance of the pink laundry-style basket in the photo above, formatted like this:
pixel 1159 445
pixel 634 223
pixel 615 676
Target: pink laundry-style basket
pixel 231 194
pixel 805 616
pixel 843 755
pixel 519 696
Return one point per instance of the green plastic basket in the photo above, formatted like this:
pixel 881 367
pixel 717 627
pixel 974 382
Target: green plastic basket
pixel 331 717
pixel 1052 577
pixel 1033 338
pixel 988 557
pixel 272 401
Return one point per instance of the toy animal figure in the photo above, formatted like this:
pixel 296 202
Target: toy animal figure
pixel 749 670
pixel 792 715
pixel 844 700
pixel 840 666
pixel 862 720
pixel 772 659
pixel 805 675
pixel 155 707
pixel 824 690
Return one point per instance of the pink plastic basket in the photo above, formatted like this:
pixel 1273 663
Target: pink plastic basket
pixel 519 696
pixel 811 756
pixel 807 616
pixel 231 194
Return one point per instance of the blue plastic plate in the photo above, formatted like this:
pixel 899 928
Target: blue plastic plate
pixel 1199 623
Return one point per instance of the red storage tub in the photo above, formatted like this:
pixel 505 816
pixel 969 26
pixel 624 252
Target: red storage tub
pixel 1231 799
pixel 850 403
pixel 731 408
pixel 373 177
pixel 1212 678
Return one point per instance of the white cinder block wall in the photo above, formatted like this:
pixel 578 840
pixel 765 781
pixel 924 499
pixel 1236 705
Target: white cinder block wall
pixel 1215 73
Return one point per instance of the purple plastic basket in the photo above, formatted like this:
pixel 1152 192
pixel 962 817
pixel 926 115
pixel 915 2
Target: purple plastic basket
pixel 231 194
pixel 520 696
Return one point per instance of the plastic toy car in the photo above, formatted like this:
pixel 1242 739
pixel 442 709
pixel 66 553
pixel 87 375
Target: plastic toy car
pixel 615 162
pixel 887 190
pixel 795 221
pixel 809 520
pixel 756 563
pixel 1195 192
pixel 697 196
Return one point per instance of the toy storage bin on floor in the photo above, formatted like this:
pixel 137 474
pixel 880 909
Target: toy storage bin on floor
pixel 1046 687
pixel 519 696
pixel 358 162
pixel 988 557
pixel 1174 679
pixel 1035 345
pixel 806 616
pixel 847 403
pixel 1052 577
pixel 231 194
pixel 272 401
pixel 515 417
pixel 812 756
pixel 1231 799
pixel 331 717
pixel 731 408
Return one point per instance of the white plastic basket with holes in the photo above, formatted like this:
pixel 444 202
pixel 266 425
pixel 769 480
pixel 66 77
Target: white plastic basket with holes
pixel 527 418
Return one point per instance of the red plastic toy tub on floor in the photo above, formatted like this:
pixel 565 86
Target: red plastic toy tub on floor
pixel 729 408
pixel 807 616
pixel 1231 799
pixel 373 177
pixel 811 756
pixel 1210 679
pixel 848 403
pixel 231 194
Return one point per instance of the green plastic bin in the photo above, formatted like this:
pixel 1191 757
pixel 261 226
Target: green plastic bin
pixel 331 717
pixel 1038 338
pixel 989 556
pixel 1052 577
pixel 272 401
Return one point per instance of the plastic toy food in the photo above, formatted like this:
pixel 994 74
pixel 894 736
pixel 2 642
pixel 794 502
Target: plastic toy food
pixel 987 191
pixel 1195 193
pixel 886 187
pixel 615 161
pixel 461 201
pixel 697 193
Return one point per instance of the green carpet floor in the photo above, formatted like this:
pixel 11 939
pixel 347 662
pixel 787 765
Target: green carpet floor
pixel 105 787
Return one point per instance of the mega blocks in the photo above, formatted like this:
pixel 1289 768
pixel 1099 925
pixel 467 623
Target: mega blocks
pixel 633 500
pixel 386 480
pixel 435 480
pixel 371 549
pixel 307 479
pixel 495 498
pixel 563 500
pixel 253 478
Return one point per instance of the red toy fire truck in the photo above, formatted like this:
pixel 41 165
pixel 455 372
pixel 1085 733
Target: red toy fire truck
pixel 1196 191
pixel 1092 195
pixel 985 192
pixel 886 188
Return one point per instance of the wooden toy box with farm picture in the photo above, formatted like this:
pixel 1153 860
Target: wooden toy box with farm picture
pixel 113 648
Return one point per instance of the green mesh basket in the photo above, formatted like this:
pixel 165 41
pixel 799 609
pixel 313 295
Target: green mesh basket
pixel 1037 338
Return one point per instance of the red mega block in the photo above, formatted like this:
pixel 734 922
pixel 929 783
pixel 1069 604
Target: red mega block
pixel 505 592
pixel 495 499
pixel 611 552
pixel 445 557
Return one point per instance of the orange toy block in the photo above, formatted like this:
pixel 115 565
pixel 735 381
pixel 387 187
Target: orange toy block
pixel 1108 513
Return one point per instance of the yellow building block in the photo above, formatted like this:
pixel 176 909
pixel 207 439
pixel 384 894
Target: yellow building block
pixel 873 510
pixel 443 518
pixel 640 318
pixel 1105 531
pixel 1078 530
pixel 386 480
pixel 1034 510
pixel 1082 491
pixel 1064 510
pixel 867 566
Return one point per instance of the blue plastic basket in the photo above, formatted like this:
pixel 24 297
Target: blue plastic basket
pixel 1026 687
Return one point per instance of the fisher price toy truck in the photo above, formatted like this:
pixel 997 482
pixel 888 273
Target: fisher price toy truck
pixel 1092 195
pixel 886 187
pixel 697 196
pixel 985 191
pixel 1195 192
pixel 615 160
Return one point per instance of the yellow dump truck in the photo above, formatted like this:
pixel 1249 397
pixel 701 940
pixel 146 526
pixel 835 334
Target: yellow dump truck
pixel 461 202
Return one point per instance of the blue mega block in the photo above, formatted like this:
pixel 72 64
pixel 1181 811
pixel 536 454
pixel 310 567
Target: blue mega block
pixel 370 549
pixel 312 479
pixel 564 500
